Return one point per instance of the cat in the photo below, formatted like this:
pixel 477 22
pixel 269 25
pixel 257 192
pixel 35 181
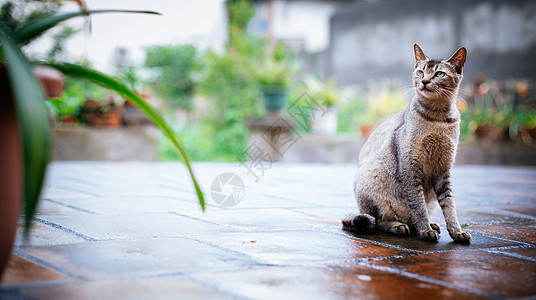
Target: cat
pixel 404 166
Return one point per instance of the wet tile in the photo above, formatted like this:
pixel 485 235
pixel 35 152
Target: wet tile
pixel 335 214
pixel 526 234
pixel 45 235
pixel 490 273
pixel 51 207
pixel 520 252
pixel 527 210
pixel 265 219
pixel 20 271
pixel 127 259
pixel 108 227
pixel 468 217
pixel 150 288
pixel 478 241
pixel 283 241
pixel 335 282
pixel 66 193
pixel 299 246
pixel 130 205
pixel 254 200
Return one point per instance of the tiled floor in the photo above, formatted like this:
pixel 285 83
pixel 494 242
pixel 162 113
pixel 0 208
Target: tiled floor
pixel 135 231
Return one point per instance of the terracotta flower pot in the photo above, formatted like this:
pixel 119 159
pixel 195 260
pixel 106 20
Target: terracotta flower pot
pixel 51 79
pixel 11 157
pixel 10 172
pixel 487 132
pixel 366 130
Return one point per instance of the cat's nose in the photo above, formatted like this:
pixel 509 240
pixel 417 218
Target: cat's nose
pixel 425 81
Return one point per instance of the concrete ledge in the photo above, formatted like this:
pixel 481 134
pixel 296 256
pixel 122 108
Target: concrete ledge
pixel 139 143
pixel 337 149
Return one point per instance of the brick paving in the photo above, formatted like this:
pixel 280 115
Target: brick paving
pixel 135 231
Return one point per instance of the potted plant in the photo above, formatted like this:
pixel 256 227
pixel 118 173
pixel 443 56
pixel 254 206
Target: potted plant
pixel 326 94
pixel 25 128
pixel 102 113
pixel 274 77
pixel 366 122
pixel 383 99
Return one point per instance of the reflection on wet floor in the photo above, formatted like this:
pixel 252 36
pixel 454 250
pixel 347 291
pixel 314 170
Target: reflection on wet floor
pixel 135 231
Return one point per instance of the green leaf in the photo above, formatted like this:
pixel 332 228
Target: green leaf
pixel 113 84
pixel 34 124
pixel 30 31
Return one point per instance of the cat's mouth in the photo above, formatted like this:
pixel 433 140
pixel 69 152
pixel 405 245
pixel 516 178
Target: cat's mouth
pixel 426 90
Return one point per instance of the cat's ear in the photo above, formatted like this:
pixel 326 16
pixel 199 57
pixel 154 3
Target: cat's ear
pixel 458 59
pixel 419 54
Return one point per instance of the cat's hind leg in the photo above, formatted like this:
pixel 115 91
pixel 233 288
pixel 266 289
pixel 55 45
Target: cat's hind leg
pixel 396 228
pixel 363 223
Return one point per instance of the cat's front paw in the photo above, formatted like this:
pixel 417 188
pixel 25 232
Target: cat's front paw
pixel 435 227
pixel 429 235
pixel 461 237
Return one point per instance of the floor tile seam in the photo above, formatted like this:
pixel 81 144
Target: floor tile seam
pixel 294 200
pixel 413 251
pixel 64 229
pixel 428 280
pixel 37 284
pixel 229 250
pixel 75 179
pixel 527 222
pixel 202 220
pixel 68 189
pixel 47 264
pixel 502 212
pixel 240 228
pixel 382 244
pixel 340 261
pixel 71 207
pixel 458 250
pixel 498 237
pixel 297 210
pixel 238 207
pixel 514 255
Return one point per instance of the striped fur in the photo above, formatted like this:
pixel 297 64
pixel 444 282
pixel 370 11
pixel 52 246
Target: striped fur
pixel 404 167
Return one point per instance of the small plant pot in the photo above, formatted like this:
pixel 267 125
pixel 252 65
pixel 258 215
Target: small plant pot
pixel 487 132
pixel 69 120
pixel 366 130
pixel 274 99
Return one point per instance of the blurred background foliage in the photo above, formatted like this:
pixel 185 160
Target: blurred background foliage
pixel 174 73
pixel 217 93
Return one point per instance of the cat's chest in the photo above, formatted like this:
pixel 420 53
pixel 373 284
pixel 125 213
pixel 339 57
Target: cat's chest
pixel 435 148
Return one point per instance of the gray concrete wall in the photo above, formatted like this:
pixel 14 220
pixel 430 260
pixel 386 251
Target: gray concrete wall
pixel 133 143
pixel 375 40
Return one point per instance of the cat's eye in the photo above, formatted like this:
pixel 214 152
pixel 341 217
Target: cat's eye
pixel 440 74
pixel 419 73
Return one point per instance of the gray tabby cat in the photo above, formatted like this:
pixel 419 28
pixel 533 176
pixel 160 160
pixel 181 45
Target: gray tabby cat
pixel 404 167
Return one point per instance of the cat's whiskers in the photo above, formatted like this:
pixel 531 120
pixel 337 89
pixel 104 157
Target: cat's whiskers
pixel 408 89
pixel 447 93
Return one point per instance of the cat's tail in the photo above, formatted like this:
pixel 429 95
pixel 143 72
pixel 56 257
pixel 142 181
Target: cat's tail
pixel 364 223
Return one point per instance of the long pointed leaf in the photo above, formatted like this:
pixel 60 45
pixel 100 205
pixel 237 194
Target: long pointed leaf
pixel 113 84
pixel 30 31
pixel 33 123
